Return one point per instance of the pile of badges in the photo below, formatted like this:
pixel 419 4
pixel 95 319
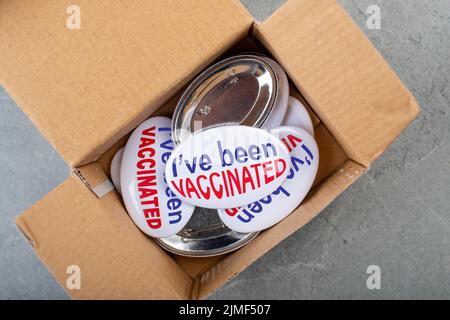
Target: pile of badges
pixel 238 151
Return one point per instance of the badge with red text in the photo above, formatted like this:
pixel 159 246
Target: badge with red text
pixel 272 208
pixel 227 166
pixel 154 208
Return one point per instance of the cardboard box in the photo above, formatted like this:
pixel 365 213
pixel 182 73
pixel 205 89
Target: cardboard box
pixel 130 60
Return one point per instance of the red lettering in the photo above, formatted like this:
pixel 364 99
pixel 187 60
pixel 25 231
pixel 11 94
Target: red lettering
pixel 293 141
pixel 217 192
pixel 266 169
pixel 224 179
pixel 145 193
pixel 149 131
pixel 146 164
pixel 286 144
pixel 234 181
pixel 232 212
pixel 229 182
pixel 278 171
pixel 190 188
pixel 255 168
pixel 141 153
pixel 153 202
pixel 205 194
pixel 154 223
pixel 145 142
pixel 247 178
pixel 179 188
pixel 146 181
pixel 152 212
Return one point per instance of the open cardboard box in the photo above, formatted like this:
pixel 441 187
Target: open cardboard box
pixel 87 89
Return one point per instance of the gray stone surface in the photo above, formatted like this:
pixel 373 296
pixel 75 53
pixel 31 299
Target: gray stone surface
pixel 397 216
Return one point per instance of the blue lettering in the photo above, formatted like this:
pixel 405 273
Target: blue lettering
pixel 266 200
pixel 176 215
pixel 304 147
pixel 254 152
pixel 248 214
pixel 223 153
pixel 266 149
pixel 255 207
pixel 205 162
pixel 295 162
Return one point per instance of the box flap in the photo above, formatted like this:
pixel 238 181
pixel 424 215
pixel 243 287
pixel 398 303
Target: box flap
pixel 80 86
pixel 346 81
pixel 72 227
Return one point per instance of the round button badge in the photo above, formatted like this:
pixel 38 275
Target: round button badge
pixel 273 207
pixel 206 182
pixel 154 208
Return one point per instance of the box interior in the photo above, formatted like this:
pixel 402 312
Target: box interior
pixel 332 156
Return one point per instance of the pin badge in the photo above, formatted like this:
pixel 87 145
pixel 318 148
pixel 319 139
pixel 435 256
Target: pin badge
pixel 227 166
pixel 154 208
pixel 115 169
pixel 241 90
pixel 277 205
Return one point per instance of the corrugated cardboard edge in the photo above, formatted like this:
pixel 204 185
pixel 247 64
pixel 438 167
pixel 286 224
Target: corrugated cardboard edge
pixel 95 179
pixel 342 76
pixel 317 200
pixel 133 121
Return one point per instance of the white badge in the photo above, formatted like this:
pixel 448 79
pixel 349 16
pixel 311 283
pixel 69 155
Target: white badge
pixel 114 169
pixel 227 166
pixel 154 208
pixel 298 116
pixel 274 207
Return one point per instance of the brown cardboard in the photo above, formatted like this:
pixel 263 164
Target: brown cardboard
pixel 95 178
pixel 71 226
pixel 341 75
pixel 358 105
pixel 84 89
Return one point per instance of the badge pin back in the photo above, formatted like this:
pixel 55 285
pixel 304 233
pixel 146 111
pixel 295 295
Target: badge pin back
pixel 274 207
pixel 114 169
pixel 298 116
pixel 249 90
pixel 205 236
pixel 153 207
pixel 227 166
